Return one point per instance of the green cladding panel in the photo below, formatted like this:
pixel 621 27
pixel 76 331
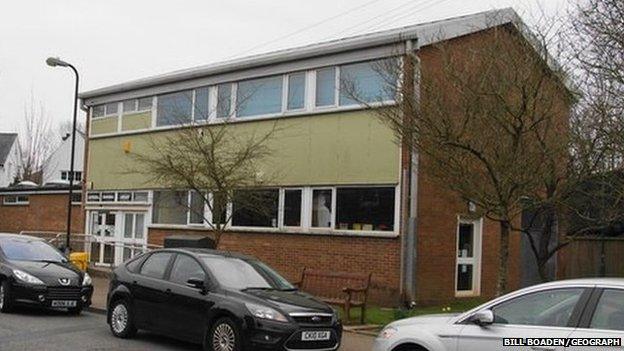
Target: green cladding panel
pixel 104 125
pixel 337 148
pixel 136 121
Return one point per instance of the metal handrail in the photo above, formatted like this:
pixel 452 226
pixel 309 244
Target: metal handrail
pixel 55 238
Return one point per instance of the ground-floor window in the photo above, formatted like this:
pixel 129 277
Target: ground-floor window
pixel 322 208
pixel 292 207
pixel 16 200
pixel 170 207
pixel 468 267
pixel 327 209
pixel 255 208
pixel 369 209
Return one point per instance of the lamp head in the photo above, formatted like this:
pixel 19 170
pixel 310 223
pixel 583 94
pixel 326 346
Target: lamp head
pixel 55 61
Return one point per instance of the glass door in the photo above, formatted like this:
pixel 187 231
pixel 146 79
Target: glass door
pixel 468 268
pixel 133 240
pixel 103 227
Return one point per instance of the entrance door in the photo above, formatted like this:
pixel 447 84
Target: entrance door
pixel 133 239
pixel 468 267
pixel 119 236
pixel 104 228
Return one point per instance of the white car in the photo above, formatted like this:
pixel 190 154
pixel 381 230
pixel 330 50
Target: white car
pixel 564 311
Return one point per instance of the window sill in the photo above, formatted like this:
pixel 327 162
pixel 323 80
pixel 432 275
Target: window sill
pixel 467 294
pixel 293 231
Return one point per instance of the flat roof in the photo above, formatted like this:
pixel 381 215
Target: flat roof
pixel 41 189
pixel 426 34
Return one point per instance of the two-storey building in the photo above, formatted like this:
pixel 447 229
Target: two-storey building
pixel 344 189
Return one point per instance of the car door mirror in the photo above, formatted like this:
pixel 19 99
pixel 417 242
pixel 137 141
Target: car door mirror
pixel 196 283
pixel 483 318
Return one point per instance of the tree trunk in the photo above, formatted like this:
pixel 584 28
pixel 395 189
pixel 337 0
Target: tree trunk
pixel 541 269
pixel 503 258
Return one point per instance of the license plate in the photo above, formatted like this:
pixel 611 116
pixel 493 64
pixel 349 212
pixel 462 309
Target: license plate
pixel 315 335
pixel 62 303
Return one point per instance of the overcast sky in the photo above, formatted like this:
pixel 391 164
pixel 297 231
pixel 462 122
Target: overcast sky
pixel 112 41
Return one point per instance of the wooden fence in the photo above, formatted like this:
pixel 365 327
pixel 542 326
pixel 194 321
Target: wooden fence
pixel 592 257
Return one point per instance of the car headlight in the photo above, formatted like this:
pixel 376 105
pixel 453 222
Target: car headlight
pixel 87 280
pixel 387 332
pixel 264 312
pixel 26 278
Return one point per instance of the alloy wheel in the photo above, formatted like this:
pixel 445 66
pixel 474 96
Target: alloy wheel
pixel 223 338
pixel 119 318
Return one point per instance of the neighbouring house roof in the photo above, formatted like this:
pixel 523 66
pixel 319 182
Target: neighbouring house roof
pixel 52 188
pixel 426 33
pixel 6 144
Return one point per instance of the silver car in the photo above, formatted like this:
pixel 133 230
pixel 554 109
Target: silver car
pixel 570 311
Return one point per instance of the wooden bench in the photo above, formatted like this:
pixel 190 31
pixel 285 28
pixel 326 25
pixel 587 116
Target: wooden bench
pixel 337 288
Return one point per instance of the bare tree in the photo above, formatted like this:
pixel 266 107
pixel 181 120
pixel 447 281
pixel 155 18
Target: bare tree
pixel 222 164
pixel 488 120
pixel 36 142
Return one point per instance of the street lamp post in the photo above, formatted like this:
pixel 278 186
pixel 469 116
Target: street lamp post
pixel 54 62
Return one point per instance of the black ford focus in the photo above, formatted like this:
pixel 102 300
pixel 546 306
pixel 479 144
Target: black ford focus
pixel 224 301
pixel 34 272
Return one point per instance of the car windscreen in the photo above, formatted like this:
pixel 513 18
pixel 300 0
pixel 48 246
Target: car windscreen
pixel 29 250
pixel 236 273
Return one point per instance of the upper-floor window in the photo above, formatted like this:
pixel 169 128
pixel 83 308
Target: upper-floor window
pixel 175 108
pixel 326 86
pixel 296 91
pixel 137 105
pixel 65 175
pixel 332 87
pixel 366 82
pixel 224 100
pixel 259 96
pixel 105 110
pixel 202 104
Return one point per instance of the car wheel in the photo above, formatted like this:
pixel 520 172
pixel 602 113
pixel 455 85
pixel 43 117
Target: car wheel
pixel 410 347
pixel 74 311
pixel 6 303
pixel 121 319
pixel 223 335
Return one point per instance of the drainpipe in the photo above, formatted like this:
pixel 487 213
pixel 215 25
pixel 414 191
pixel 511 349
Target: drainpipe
pixel 85 162
pixel 409 182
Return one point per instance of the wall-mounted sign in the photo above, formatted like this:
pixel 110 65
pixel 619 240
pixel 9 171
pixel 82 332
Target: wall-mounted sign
pixel 108 197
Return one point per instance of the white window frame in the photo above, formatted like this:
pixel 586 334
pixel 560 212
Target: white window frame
pixel 230 215
pixel 281 209
pixel 475 261
pixel 134 110
pixel 336 81
pixel 309 102
pixel 138 110
pixel 286 92
pixel 306 214
pixel 189 212
pixel 309 211
pixel 17 201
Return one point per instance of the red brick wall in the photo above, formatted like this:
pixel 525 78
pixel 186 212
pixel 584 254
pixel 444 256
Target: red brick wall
pixel 43 213
pixel 436 252
pixel 290 253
